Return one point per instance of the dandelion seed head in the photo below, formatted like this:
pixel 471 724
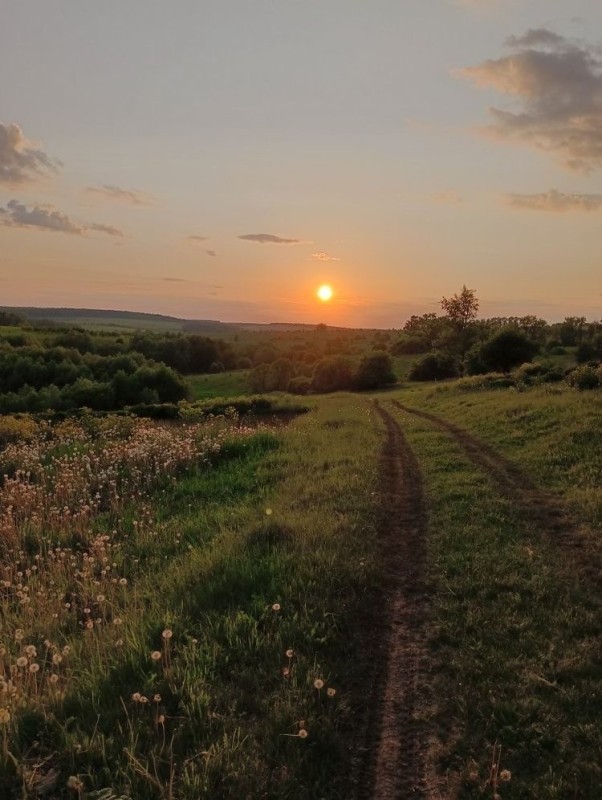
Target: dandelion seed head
pixel 4 716
pixel 303 734
pixel 318 683
pixel 31 651
pixel 167 633
pixel 505 775
pixel 21 661
pixel 290 653
pixel 276 607
pixel 331 692
pixel 54 678
pixel 156 655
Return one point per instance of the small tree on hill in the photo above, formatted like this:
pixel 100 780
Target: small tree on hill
pixel 462 308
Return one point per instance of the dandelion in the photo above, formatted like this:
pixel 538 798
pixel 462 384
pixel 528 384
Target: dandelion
pixel 100 598
pixel 276 607
pixel 303 734
pixel 160 719
pixel 89 624
pixel 19 634
pixel 331 692
pixel 167 633
pixel 136 697
pixel 57 658
pixel 33 668
pixel 318 684
pixel 119 643
pixel 54 678
pixel 123 581
pixel 66 650
pixel 31 651
pixel 117 621
pixel 157 698
pixel 21 661
pixel 73 782
pixel 156 655
pixel 289 653
pixel 4 716
pixel 505 775
pixel 268 512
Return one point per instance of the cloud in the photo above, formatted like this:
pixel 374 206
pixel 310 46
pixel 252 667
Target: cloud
pixel 20 160
pixel 176 280
pixel 131 196
pixel 211 253
pixel 449 198
pixel 555 201
pixel 268 238
pixel 558 88
pixel 198 238
pixel 17 215
pixel 324 257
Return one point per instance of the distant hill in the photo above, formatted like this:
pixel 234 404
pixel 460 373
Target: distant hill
pixel 127 320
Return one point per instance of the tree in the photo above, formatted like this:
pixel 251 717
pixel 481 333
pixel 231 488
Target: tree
pixel 507 348
pixel 461 309
pixel 375 371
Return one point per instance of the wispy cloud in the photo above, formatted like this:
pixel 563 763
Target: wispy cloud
pixel 555 201
pixel 268 238
pixel 558 87
pixel 324 257
pixel 132 197
pixel 198 238
pixel 20 160
pixel 18 215
pixel 211 253
pixel 449 198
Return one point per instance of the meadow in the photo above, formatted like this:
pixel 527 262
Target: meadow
pixel 201 608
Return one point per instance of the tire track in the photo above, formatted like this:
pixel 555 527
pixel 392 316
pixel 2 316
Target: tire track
pixel 394 767
pixel 546 514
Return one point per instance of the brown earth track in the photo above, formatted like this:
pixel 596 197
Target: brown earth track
pixel 394 768
pixel 544 512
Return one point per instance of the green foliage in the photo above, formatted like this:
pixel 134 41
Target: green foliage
pixel 462 308
pixel 584 377
pixel 375 372
pixel 505 349
pixel 434 367
pixel 332 374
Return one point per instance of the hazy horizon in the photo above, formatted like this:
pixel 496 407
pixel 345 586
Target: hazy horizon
pixel 223 160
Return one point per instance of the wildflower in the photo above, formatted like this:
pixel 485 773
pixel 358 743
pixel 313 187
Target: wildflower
pixel 160 719
pixel 4 716
pixel 31 651
pixel 117 621
pixel 89 624
pixel 268 512
pixel 167 633
pixel 57 658
pixel 290 653
pixel 33 668
pixel 331 692
pixel 285 672
pixel 119 642
pixel 136 697
pixel 100 598
pixel 73 782
pixel 303 734
pixel 156 655
pixel 157 698
pixel 505 775
pixel 66 650
pixel 21 661
pixel 276 607
pixel 54 678
pixel 123 581
pixel 318 684
pixel 19 634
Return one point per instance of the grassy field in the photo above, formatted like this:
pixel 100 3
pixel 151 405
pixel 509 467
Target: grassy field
pixel 222 384
pixel 188 611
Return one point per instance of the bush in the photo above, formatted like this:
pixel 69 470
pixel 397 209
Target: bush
pixel 506 349
pixel 434 367
pixel 332 374
pixel 410 345
pixel 584 377
pixel 375 371
pixel 299 385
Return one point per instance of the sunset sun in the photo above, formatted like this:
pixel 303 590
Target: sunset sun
pixel 325 293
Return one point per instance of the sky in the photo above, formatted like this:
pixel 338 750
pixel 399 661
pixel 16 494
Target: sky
pixel 220 159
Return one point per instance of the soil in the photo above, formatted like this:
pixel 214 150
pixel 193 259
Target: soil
pixel 394 765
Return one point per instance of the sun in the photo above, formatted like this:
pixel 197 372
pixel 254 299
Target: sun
pixel 325 293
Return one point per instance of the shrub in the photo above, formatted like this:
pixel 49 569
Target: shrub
pixel 299 385
pixel 434 367
pixel 332 374
pixel 375 371
pixel 584 377
pixel 507 348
